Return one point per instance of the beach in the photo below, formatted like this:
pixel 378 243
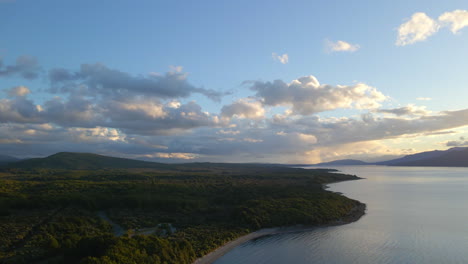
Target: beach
pixel 354 215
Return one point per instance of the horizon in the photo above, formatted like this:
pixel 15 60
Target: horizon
pixel 179 82
pixel 227 162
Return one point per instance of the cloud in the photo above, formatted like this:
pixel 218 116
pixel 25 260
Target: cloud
pixel 411 110
pixel 421 26
pixel 19 110
pixel 132 115
pixel 307 96
pixel 25 66
pixel 456 20
pixel 184 156
pixel 19 91
pixel 424 99
pixel 462 142
pixel 281 58
pixel 243 108
pixel 418 28
pixel 163 120
pixel 97 109
pixel 99 79
pixel 96 134
pixel 341 46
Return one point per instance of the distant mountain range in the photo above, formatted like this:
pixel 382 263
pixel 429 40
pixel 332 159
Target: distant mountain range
pixel 83 161
pixel 454 157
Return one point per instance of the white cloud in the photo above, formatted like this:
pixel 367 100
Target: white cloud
pixel 281 58
pixel 96 134
pixel 307 96
pixel 185 156
pixel 456 20
pixel 341 46
pixel 421 26
pixel 418 28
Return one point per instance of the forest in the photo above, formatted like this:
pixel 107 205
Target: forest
pixel 168 214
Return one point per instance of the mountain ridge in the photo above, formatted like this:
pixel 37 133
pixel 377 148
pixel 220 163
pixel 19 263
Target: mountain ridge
pixel 453 157
pixel 83 161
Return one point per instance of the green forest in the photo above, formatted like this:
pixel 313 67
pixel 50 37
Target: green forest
pixel 167 214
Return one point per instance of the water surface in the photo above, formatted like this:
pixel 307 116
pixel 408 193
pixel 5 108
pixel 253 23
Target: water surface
pixel 414 215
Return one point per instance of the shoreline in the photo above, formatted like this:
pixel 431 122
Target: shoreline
pixel 354 214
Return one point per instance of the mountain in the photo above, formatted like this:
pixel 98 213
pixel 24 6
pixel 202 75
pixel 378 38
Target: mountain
pixel 457 157
pixel 454 157
pixel 344 162
pixel 83 161
pixel 413 157
pixel 427 157
pixel 4 159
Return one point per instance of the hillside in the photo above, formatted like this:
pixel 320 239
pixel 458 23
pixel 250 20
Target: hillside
pixel 457 158
pixel 83 161
pixel 4 159
pixel 412 158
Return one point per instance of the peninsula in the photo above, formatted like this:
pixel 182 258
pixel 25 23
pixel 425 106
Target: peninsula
pixel 52 208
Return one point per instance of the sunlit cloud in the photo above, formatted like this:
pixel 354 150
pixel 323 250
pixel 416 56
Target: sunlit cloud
pixel 243 108
pixel 19 91
pixel 307 96
pixel 420 26
pixel 416 29
pixel 455 20
pixel 340 46
pixel 284 59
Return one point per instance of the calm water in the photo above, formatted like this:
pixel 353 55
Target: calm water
pixel 414 215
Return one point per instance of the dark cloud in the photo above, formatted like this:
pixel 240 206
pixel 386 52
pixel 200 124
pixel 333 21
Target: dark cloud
pixel 406 110
pixel 19 110
pixel 109 82
pixel 462 142
pixel 25 66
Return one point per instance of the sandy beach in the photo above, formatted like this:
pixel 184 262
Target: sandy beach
pixel 353 215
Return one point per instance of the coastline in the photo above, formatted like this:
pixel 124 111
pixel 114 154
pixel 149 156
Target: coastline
pixel 354 214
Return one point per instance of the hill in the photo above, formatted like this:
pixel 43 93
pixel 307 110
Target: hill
pixel 83 161
pixel 412 158
pixel 4 159
pixel 429 158
pixel 450 158
pixel 454 157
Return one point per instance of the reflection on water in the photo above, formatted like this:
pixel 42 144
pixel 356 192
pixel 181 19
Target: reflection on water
pixel 414 215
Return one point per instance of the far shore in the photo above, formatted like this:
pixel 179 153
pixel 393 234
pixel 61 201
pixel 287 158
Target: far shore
pixel 355 214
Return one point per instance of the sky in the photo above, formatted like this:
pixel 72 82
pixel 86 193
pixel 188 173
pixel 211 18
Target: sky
pixel 237 81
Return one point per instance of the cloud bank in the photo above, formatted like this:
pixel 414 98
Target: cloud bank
pixel 156 117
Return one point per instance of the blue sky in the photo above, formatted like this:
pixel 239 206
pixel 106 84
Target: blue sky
pixel 228 48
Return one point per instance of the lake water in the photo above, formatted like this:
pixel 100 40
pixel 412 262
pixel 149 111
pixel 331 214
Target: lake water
pixel 414 215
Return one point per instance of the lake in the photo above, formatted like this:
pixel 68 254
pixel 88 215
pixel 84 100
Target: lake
pixel 414 215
